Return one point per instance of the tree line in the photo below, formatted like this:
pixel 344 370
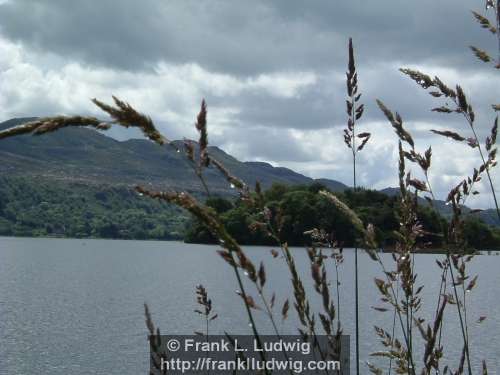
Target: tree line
pixel 301 209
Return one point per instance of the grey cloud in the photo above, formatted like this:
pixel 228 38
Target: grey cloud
pixel 315 107
pixel 263 143
pixel 244 38
pixel 321 105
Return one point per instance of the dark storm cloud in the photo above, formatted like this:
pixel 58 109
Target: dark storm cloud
pixel 272 73
pixel 321 105
pixel 261 37
pixel 312 107
pixel 244 38
pixel 263 143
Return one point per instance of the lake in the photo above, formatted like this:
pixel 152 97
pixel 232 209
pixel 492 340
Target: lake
pixel 76 306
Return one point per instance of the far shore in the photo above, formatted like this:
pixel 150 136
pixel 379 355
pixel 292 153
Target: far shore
pixel 383 250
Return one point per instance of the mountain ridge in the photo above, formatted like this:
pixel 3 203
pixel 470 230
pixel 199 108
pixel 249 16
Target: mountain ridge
pixel 88 155
pixel 92 157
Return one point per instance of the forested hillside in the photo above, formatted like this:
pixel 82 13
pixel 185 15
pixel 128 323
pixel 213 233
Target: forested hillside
pixel 79 183
pixel 301 208
pixel 40 208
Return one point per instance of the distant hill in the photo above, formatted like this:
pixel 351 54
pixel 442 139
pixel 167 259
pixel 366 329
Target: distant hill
pixel 488 216
pixel 85 155
pixel 34 207
pixel 90 158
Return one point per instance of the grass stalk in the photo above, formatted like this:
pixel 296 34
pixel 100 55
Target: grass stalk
pixel 462 327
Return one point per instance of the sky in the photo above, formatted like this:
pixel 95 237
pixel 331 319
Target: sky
pixel 272 73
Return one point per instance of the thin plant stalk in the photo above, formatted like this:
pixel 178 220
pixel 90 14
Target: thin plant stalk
pixel 464 335
pixel 354 112
pixel 480 149
pixel 463 106
pixel 393 329
pixel 187 202
pixel 498 29
pixel 337 282
pixel 442 292
pixel 395 298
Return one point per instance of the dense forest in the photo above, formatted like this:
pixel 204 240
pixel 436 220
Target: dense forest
pixel 44 208
pixel 40 207
pixel 302 208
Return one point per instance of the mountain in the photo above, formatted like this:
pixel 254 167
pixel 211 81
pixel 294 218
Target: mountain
pixel 88 156
pixel 489 216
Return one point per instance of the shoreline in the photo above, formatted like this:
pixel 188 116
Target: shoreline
pixel 386 250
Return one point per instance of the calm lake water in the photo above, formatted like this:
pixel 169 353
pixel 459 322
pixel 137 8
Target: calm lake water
pixel 76 306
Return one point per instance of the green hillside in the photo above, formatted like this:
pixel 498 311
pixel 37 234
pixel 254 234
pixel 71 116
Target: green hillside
pixel 40 207
pixel 79 183
pixel 85 155
pixel 301 208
